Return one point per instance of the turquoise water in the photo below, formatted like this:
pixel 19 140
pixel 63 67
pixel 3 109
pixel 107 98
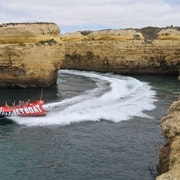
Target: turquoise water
pixel 99 126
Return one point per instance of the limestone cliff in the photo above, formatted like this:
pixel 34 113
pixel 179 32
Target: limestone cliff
pixel 15 33
pixel 147 51
pixel 169 164
pixel 30 54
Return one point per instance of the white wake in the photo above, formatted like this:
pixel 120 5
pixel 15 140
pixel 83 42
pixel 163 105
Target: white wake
pixel 116 98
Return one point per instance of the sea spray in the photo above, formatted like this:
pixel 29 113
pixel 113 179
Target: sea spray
pixel 115 98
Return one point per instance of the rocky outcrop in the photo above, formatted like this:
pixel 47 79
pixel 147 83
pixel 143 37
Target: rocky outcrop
pixel 146 51
pixel 169 34
pixel 169 164
pixel 30 54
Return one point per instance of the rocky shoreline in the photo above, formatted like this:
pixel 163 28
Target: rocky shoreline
pixel 169 163
pixel 32 53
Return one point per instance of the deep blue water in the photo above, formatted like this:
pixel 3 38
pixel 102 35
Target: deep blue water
pixel 99 126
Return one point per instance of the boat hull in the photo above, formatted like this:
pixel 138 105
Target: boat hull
pixel 31 109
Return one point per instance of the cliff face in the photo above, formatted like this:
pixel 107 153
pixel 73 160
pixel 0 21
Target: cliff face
pixel 124 51
pixel 30 54
pixel 169 164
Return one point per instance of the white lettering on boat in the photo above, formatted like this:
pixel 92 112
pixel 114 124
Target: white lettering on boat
pixel 3 113
pixel 30 110
pixel 27 110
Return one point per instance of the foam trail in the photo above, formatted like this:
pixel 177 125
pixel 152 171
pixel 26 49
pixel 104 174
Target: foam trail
pixel 116 98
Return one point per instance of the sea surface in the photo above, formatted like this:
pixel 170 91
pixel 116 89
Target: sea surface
pixel 98 126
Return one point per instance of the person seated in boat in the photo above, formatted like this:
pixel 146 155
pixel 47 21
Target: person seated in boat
pixel 13 104
pixel 27 103
pixel 6 105
pixel 21 103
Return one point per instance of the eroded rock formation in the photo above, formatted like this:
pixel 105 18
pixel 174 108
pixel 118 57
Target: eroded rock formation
pixel 30 54
pixel 146 51
pixel 169 164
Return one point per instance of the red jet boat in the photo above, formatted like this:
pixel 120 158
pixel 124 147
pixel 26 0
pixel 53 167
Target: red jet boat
pixel 24 109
